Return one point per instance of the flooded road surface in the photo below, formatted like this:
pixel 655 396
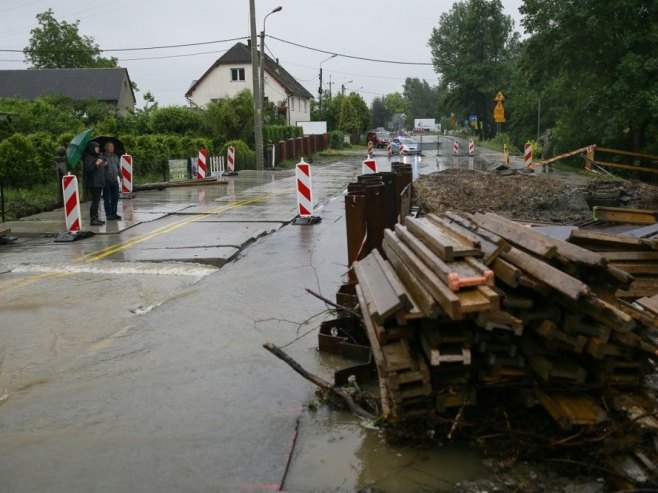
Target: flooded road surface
pixel 123 368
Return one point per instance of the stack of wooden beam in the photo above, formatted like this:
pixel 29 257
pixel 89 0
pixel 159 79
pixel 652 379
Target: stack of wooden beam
pixel 634 252
pixel 456 304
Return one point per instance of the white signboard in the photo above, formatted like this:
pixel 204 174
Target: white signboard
pixel 313 128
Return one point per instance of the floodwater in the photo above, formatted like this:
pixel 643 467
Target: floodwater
pixel 125 375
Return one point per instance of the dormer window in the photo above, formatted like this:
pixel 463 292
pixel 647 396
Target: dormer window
pixel 237 74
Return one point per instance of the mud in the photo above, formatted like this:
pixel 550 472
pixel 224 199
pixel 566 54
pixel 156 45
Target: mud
pixel 538 197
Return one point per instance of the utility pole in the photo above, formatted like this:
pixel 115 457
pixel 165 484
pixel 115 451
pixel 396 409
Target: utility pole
pixel 258 111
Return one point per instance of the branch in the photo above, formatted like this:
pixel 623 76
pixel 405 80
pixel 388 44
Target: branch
pixel 332 304
pixel 320 382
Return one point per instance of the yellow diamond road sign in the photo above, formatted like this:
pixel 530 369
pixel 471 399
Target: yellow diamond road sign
pixel 499 97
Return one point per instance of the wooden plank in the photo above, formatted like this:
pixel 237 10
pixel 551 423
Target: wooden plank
pixel 639 288
pixel 384 295
pixel 649 303
pixel 642 232
pixel 601 239
pixel 420 295
pixel 371 334
pixel 443 245
pixel 456 274
pixel 448 300
pixel 506 272
pixel 564 250
pixel 490 244
pixel 537 243
pixel 637 268
pixel 456 231
pixel 477 300
pixel 555 278
pixel 631 256
pixel 570 410
pixel 625 215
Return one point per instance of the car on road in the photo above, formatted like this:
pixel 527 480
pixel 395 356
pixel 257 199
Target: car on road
pixel 409 146
pixel 379 139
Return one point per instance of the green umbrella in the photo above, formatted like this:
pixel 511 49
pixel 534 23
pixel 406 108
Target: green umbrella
pixel 76 148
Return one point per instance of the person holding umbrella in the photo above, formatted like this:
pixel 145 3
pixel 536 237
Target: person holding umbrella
pixel 94 174
pixel 111 189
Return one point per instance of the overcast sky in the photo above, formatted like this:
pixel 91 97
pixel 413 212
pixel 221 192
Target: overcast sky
pixel 380 29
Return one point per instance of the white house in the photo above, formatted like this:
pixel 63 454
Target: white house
pixel 232 73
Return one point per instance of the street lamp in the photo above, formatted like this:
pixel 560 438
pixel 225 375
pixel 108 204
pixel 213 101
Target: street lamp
pixel 342 87
pixel 262 62
pixel 320 88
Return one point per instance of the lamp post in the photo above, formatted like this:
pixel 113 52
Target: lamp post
pixel 342 87
pixel 262 63
pixel 320 88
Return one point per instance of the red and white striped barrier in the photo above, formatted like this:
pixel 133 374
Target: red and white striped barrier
pixel 471 148
pixel 71 203
pixel 401 149
pixel 527 155
pixel 389 149
pixel 126 170
pixel 369 166
pixel 230 160
pixel 304 189
pixel 202 165
pixel 370 148
pixel 455 148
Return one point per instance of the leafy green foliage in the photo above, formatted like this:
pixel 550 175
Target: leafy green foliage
pixel 177 120
pixel 474 49
pixel 354 115
pixel 232 117
pixel 275 133
pixel 245 158
pixel 55 44
pixel 336 139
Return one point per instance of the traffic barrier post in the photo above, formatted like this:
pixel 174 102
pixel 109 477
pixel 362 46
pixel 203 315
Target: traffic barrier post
pixel 304 195
pixel 72 215
pixel 202 165
pixel 471 148
pixel 369 166
pixel 126 171
pixel 527 155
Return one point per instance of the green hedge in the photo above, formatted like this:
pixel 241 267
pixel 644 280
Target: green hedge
pixel 275 133
pixel 245 158
pixel 336 139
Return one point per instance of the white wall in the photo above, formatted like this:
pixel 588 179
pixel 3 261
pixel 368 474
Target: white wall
pixel 218 85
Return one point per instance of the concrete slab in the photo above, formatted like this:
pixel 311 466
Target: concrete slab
pixel 215 256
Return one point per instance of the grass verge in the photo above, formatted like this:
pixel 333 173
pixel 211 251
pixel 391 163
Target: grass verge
pixel 21 202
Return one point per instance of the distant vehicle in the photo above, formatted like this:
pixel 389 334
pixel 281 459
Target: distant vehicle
pixel 409 146
pixel 378 139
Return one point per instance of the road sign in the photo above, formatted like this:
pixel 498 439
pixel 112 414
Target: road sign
pixel 499 97
pixel 499 113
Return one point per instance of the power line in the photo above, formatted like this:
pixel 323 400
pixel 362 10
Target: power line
pixel 353 57
pixel 171 56
pixel 143 48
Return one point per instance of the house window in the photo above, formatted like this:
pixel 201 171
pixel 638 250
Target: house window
pixel 237 74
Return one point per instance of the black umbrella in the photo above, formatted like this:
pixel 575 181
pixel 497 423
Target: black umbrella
pixel 118 145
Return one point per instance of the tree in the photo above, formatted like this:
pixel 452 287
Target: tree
pixel 473 51
pixel 378 112
pixel 395 103
pixel 53 114
pixel 421 98
pixel 354 115
pixel 55 44
pixel 600 75
pixel 177 120
pixel 233 118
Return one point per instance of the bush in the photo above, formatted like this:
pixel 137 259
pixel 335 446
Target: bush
pixel 27 159
pixel 275 133
pixel 336 139
pixel 245 158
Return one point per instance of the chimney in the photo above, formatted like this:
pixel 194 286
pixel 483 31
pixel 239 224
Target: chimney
pixel 249 42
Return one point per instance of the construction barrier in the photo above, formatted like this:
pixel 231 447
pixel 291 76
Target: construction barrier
pixel 370 149
pixel 389 149
pixel 230 160
pixel 471 148
pixel 527 155
pixel 505 155
pixel 369 166
pixel 455 148
pixel 216 165
pixel 71 203
pixel 304 189
pixel 126 170
pixel 202 165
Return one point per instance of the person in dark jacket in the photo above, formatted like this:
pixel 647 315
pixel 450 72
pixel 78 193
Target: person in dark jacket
pixel 94 178
pixel 111 189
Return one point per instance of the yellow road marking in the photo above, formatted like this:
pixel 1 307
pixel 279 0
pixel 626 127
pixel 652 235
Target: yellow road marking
pixel 106 252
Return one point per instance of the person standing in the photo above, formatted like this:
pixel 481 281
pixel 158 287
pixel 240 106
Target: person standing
pixel 111 189
pixel 94 179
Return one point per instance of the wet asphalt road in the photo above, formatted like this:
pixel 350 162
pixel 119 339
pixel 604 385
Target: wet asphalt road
pixel 132 361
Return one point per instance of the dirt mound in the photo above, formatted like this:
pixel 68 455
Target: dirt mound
pixel 527 198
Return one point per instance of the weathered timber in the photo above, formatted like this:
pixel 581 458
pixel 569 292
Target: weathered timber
pixel 522 236
pixel 456 274
pixel 569 410
pixel 649 303
pixel 455 230
pixel 625 215
pixel 600 239
pixel 448 300
pixel 519 234
pixel 421 296
pixel 445 246
pixel 640 256
pixel 637 268
pixel 383 290
pixel 506 272
pixel 555 278
pixel 639 288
